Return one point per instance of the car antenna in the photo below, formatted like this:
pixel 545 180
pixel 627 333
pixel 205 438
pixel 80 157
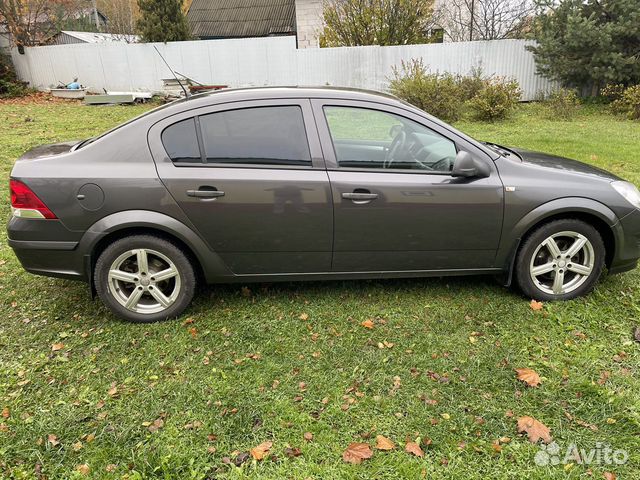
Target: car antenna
pixel 186 93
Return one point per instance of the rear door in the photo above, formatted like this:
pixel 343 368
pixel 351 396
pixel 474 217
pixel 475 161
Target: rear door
pixel 396 205
pixel 251 178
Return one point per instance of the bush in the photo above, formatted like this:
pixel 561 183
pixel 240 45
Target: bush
pixel 10 85
pixel 628 103
pixel 471 84
pixel 496 100
pixel 563 104
pixel 438 94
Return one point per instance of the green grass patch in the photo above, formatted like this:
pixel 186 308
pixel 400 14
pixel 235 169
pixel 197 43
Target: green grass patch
pixel 244 365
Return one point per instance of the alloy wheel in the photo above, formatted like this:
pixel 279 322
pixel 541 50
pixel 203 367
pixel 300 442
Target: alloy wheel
pixel 144 281
pixel 562 263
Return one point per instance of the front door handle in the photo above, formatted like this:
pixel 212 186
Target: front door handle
pixel 205 192
pixel 360 197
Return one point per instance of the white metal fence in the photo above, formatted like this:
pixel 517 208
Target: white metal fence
pixel 266 61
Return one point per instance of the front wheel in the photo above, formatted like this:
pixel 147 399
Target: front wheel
pixel 144 278
pixel 561 260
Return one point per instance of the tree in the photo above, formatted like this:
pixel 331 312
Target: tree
pixel 589 43
pixel 376 22
pixel 484 19
pixel 162 21
pixel 34 22
pixel 122 16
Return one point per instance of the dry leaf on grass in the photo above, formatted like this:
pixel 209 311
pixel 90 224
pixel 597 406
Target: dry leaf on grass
pixel 528 376
pixel 308 436
pixel 414 448
pixel 534 429
pixel 261 450
pixel 83 469
pixel 57 346
pixel 356 453
pixel 383 443
pixel 368 323
pixel 535 305
pixel 609 476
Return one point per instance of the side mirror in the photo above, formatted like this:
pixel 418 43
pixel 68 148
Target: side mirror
pixel 466 165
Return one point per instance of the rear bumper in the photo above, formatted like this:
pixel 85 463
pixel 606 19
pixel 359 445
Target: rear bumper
pixel 58 256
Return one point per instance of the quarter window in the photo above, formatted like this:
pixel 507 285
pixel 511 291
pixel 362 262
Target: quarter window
pixel 364 138
pixel 259 136
pixel 181 143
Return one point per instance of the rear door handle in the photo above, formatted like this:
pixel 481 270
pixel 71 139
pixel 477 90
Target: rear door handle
pixel 360 196
pixel 205 192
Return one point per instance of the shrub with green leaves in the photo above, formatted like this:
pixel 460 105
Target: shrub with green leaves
pixel 563 104
pixel 472 84
pixel 628 103
pixel 438 94
pixel 10 84
pixel 496 101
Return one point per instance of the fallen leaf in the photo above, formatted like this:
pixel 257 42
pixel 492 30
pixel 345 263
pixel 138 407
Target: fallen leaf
pixel 90 438
pixel 609 476
pixel 111 467
pixel 528 376
pixel 240 458
pixel 6 413
pixel 83 469
pixel 157 424
pixel 57 346
pixel 77 446
pixel 535 305
pixel 604 376
pixel 383 443
pixel 113 391
pixel 414 448
pixel 53 440
pixel 357 452
pixel 304 316
pixel 534 429
pixel 211 449
pixel 261 450
pixel 368 323
pixel 292 452
pixel 308 436
pixel 636 336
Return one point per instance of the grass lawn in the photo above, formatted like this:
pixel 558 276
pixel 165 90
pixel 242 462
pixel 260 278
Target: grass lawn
pixel 85 395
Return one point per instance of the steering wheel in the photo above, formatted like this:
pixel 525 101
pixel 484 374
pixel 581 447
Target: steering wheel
pixel 397 144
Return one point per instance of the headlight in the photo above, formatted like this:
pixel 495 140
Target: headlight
pixel 629 191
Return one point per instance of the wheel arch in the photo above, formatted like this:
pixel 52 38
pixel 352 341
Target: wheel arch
pixel 598 215
pixel 206 262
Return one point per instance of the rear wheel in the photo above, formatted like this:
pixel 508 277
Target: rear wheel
pixel 144 278
pixel 561 260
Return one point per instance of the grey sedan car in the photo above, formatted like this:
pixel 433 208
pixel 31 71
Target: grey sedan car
pixel 274 184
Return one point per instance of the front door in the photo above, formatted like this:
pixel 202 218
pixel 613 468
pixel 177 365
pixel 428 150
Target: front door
pixel 396 206
pixel 251 178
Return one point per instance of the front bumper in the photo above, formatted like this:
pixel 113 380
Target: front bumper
pixel 54 254
pixel 627 244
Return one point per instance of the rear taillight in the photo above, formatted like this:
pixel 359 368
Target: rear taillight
pixel 26 204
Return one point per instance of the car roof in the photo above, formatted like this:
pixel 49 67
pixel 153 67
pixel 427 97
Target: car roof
pixel 258 93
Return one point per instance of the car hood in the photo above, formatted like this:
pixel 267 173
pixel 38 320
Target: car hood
pixel 49 150
pixel 553 162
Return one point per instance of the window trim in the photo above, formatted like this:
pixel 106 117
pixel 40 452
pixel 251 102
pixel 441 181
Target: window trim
pixel 337 167
pixel 309 124
pixel 460 139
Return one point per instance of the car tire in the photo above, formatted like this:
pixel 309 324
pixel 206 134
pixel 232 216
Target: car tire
pixel 560 260
pixel 144 278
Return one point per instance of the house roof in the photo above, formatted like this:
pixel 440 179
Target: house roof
pixel 241 18
pixel 96 37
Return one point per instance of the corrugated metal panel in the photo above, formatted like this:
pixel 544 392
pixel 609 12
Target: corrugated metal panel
pixel 241 18
pixel 267 61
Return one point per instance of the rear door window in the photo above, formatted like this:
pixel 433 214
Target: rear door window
pixel 256 136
